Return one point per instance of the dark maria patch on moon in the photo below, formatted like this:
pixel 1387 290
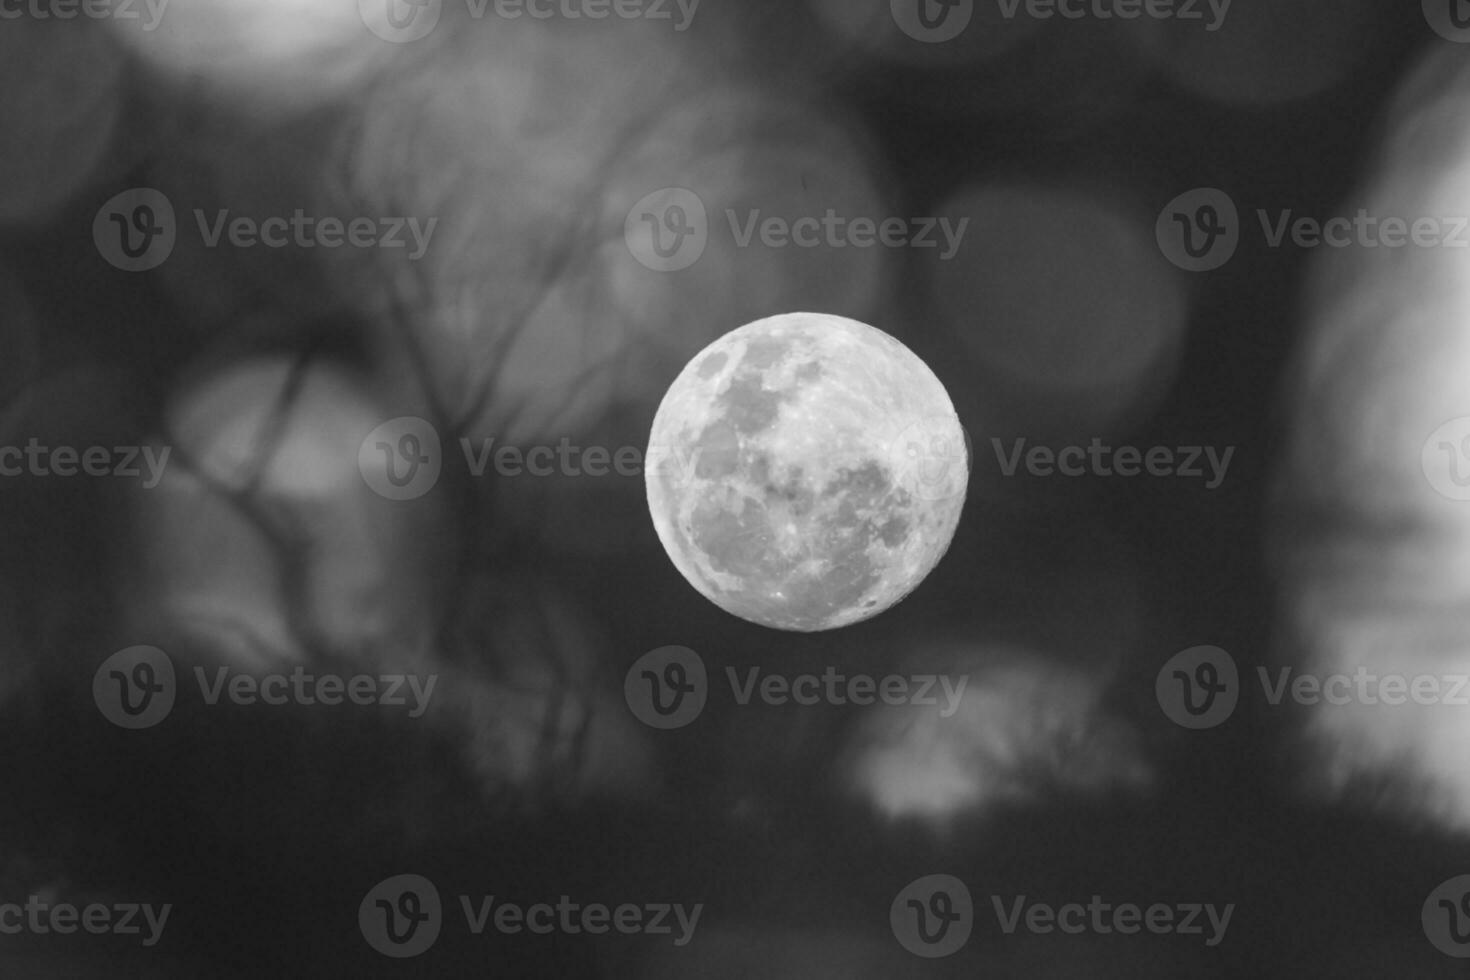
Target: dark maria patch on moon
pixel 748 405
pixel 713 365
pixel 717 451
pixel 802 556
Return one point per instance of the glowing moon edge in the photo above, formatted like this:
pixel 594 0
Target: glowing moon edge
pixel 806 471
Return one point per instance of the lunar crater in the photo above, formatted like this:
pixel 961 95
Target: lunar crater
pixel 793 512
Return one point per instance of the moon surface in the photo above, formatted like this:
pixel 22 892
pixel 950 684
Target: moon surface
pixel 806 471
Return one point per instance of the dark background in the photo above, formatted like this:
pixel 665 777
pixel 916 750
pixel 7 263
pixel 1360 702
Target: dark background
pixel 265 833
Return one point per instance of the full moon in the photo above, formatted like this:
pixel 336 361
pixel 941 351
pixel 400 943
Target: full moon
pixel 806 471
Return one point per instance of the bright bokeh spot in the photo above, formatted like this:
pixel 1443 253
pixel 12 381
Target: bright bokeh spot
pixel 1377 443
pixel 537 317
pixel 1064 303
pixel 1024 728
pixel 227 428
pixel 206 582
pixel 503 139
pixel 759 164
pixel 275 55
pixel 317 559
